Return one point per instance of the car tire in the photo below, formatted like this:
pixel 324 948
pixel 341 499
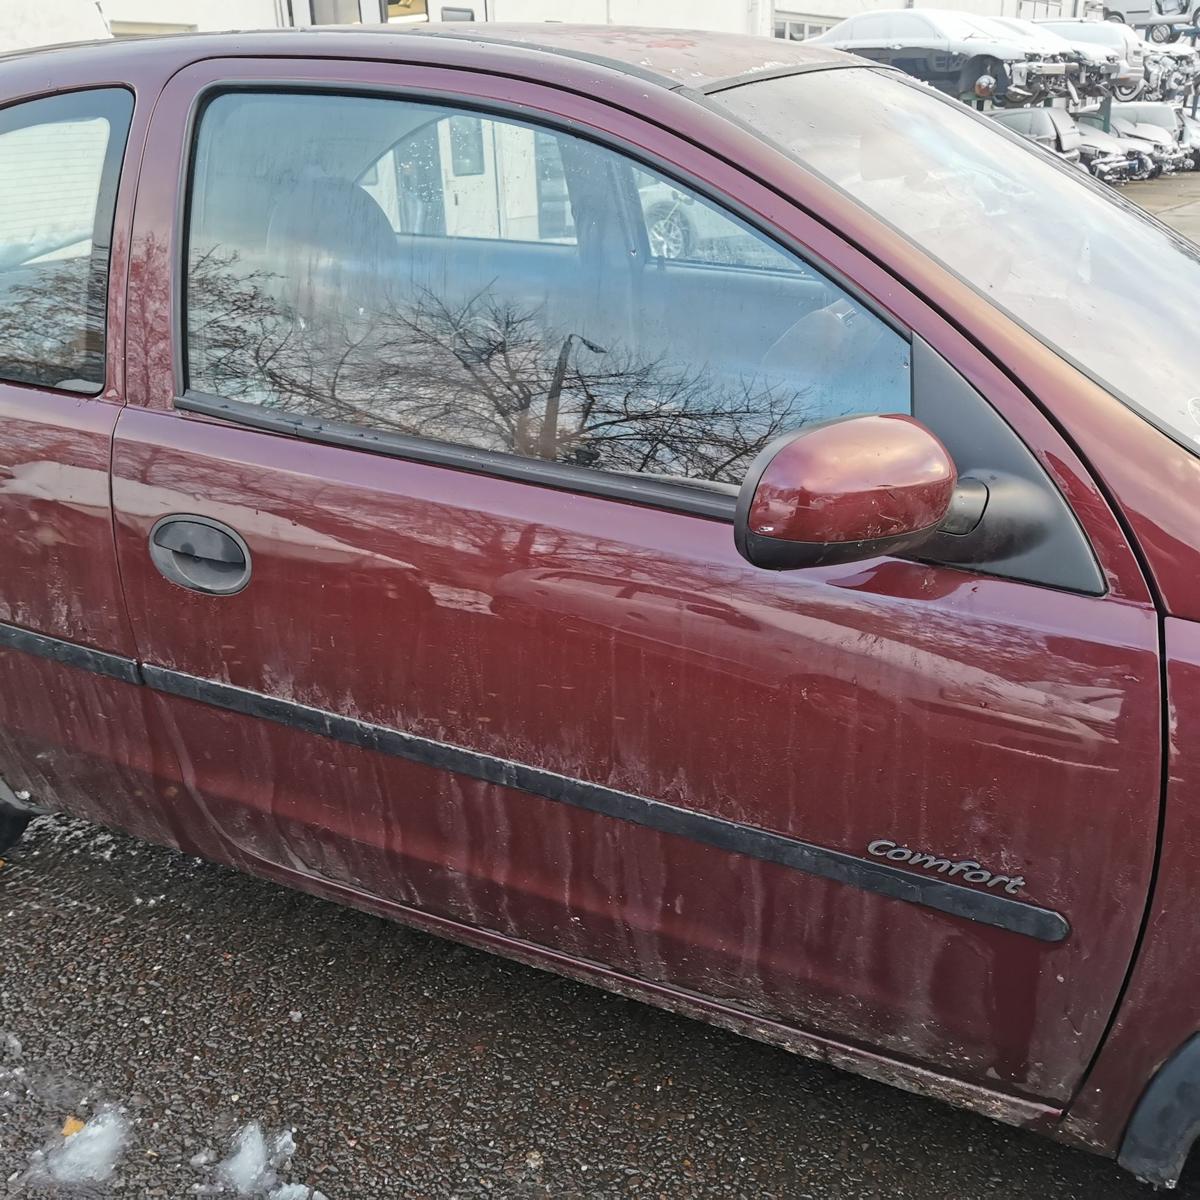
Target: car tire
pixel 669 231
pixel 1117 17
pixel 1132 92
pixel 1163 33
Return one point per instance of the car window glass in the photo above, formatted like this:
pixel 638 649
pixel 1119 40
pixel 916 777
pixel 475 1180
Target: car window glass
pixel 1082 269
pixel 476 280
pixel 869 27
pixel 1018 122
pixel 681 226
pixel 59 159
pixel 1040 124
pixel 1090 31
pixel 916 26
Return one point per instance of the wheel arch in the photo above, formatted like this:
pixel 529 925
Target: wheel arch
pixel 1166 1119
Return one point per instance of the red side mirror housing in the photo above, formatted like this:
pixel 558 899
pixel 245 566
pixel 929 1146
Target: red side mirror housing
pixel 842 491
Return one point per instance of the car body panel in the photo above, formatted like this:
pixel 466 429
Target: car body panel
pixel 1057 693
pixel 687 58
pixel 477 592
pixel 73 735
pixel 1159 1011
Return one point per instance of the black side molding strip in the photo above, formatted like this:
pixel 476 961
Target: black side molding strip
pixel 986 908
pixel 99 662
pixel 883 879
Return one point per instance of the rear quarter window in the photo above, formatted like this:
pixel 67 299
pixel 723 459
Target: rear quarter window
pixel 59 165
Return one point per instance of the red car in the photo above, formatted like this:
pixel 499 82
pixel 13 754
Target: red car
pixel 707 516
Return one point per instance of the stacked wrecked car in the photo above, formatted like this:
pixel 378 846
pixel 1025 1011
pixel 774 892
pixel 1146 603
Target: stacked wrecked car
pixel 1092 92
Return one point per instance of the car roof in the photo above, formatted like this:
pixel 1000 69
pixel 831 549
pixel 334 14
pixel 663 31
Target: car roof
pixel 680 57
pixel 673 58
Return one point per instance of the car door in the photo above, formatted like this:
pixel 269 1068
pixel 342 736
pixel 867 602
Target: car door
pixel 425 528
pixel 918 47
pixel 71 731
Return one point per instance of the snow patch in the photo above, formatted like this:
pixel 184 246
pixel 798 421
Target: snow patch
pixel 89 1156
pixel 253 1162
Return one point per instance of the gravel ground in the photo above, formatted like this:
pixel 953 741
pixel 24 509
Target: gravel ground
pixel 200 1000
pixel 180 1003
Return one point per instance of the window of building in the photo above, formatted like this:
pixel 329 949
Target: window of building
pixel 335 12
pixel 131 29
pixel 59 163
pixel 800 28
pixel 561 303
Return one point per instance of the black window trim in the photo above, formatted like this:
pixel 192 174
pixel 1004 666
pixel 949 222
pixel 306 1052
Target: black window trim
pixel 108 198
pixel 689 499
pixel 692 499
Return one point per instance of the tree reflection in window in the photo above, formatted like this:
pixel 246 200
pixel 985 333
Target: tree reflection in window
pixel 525 310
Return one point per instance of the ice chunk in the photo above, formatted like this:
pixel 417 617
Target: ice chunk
pixel 296 1191
pixel 252 1162
pixel 285 1147
pixel 89 1156
pixel 246 1169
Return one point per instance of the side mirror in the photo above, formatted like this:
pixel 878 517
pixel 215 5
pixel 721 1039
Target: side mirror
pixel 842 491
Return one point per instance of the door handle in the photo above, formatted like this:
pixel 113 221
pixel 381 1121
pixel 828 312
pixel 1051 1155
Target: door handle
pixel 200 554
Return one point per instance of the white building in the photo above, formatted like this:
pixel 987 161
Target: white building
pixel 795 19
pixel 39 22
pixel 25 23
pixel 726 16
pixel 797 22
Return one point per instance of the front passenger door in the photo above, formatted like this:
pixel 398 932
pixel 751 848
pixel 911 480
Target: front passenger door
pixel 494 657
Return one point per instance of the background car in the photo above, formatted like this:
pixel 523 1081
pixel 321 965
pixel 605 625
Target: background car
pixel 1175 70
pixel 1095 66
pixel 1112 159
pixel 1052 128
pixel 960 54
pixel 1154 15
pixel 1103 154
pixel 1158 138
pixel 1161 115
pixel 1119 39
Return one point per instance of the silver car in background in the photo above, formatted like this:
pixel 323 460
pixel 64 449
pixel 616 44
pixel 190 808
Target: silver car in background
pixel 1118 39
pixel 1102 154
pixel 1149 128
pixel 1097 66
pixel 963 55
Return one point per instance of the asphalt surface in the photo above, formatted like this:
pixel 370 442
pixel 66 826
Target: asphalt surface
pixel 200 1000
pixel 1175 199
pixel 196 1001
